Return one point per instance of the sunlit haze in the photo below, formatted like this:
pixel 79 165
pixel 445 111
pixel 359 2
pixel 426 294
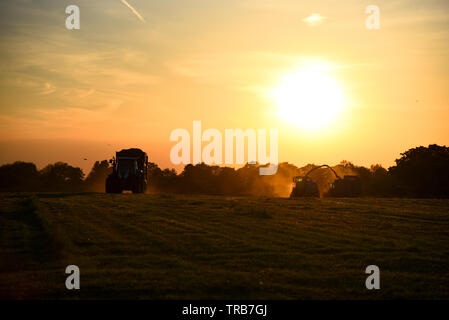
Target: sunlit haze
pixel 133 73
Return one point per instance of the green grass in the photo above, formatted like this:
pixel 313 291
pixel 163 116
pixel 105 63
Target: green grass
pixel 206 247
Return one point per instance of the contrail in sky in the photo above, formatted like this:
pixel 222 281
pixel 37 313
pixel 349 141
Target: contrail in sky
pixel 133 10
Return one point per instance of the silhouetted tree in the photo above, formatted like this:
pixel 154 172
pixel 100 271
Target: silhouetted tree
pixel 61 177
pixel 200 178
pixel 420 172
pixel 162 181
pixel 229 182
pixel 19 176
pixel 423 172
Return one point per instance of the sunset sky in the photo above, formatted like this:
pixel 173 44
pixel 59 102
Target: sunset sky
pixel 128 78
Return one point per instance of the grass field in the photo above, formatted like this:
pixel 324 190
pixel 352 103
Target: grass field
pixel 191 247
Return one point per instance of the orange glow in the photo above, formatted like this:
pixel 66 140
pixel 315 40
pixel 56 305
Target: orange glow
pixel 335 91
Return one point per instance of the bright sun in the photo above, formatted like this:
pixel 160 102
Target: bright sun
pixel 309 98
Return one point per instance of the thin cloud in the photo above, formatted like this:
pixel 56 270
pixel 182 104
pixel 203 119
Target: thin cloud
pixel 48 89
pixel 133 10
pixel 314 19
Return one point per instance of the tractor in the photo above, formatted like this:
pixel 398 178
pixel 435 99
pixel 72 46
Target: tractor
pixel 304 187
pixel 349 186
pixel 129 172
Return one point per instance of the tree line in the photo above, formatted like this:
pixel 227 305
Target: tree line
pixel 419 172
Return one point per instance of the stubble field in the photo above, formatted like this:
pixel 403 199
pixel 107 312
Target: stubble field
pixel 210 247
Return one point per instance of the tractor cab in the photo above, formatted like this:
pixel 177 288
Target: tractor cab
pixel 304 187
pixel 126 166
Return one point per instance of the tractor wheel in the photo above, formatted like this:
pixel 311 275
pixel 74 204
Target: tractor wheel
pixel 140 187
pixel 112 186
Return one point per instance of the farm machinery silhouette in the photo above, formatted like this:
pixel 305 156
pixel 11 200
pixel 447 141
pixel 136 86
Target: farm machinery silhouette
pixel 348 186
pixel 129 172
